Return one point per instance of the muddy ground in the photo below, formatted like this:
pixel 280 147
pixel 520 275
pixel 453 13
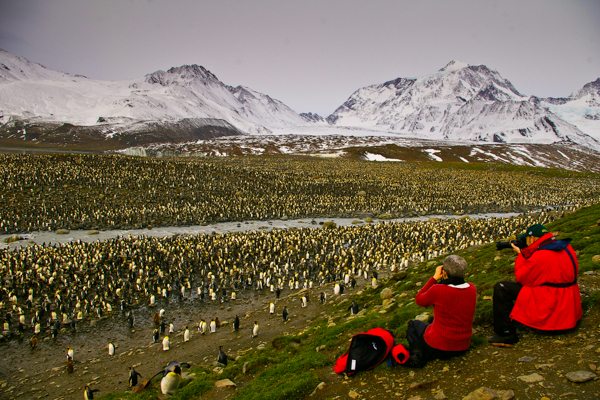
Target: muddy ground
pixel 41 373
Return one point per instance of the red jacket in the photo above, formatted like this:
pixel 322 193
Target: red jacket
pixel 453 310
pixel 541 306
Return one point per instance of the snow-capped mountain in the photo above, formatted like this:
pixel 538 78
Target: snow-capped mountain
pixel 190 93
pixel 581 108
pixel 459 102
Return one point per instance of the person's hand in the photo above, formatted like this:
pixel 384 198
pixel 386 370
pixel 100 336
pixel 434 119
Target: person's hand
pixel 438 273
pixel 515 248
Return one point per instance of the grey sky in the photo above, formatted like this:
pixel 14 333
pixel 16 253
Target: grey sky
pixel 311 54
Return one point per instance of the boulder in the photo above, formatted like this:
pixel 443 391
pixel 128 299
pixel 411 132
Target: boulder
pixel 580 376
pixel 329 225
pixel 596 258
pixel 387 293
pixel 224 383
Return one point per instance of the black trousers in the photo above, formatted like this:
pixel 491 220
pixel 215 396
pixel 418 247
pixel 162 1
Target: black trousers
pixel 416 341
pixel 505 294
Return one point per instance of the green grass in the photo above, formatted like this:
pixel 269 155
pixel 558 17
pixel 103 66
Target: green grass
pixel 286 369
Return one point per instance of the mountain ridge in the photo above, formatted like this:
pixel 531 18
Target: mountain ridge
pixel 460 102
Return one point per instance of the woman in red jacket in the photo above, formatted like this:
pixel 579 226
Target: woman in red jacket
pixel 545 295
pixel 453 301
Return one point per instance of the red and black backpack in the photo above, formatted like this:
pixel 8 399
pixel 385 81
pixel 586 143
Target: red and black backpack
pixel 368 350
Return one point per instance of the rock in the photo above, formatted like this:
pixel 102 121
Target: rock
pixel 596 258
pixel 580 376
pixel 387 293
pixel 217 370
pixel 353 394
pixel 593 367
pixel 535 377
pixel 440 396
pixel 385 216
pixel 224 383
pixel 322 347
pixel 484 393
pixel 422 317
pixel 93 232
pixel 62 231
pixel 526 359
pixel 329 225
pixel 357 222
pixel 369 220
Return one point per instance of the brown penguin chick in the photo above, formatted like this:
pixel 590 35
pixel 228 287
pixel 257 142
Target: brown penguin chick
pixel 69 364
pixel 33 342
pixel 156 319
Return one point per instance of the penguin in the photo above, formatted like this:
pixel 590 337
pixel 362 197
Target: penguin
pixel 161 313
pixel 186 335
pixel 255 329
pixel 336 289
pixel 88 394
pixel 170 382
pixel 169 368
pixel 111 349
pixel 285 315
pixel 272 308
pixel 69 365
pixel 222 356
pixel 133 377
pixel 353 308
pixel 236 323
pixel 156 319
pixel 166 343
pixel 277 293
pixel 155 336
pixel 323 297
pixel 304 301
pixel 171 328
pixel 213 326
pixel 130 319
pixel 163 327
pixel 70 353
pixel 33 342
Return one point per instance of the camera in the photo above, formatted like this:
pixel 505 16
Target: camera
pixel 519 242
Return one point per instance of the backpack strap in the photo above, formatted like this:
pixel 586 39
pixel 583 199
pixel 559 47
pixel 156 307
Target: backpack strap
pixel 569 284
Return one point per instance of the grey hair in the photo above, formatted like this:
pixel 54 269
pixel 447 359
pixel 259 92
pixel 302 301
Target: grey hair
pixel 455 266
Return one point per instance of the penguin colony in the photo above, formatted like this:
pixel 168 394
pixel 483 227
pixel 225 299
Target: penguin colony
pixel 50 192
pixel 53 287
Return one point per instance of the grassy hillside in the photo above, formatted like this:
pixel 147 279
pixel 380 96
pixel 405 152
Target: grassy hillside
pixel 288 368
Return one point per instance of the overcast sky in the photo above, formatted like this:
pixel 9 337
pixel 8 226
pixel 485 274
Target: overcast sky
pixel 312 55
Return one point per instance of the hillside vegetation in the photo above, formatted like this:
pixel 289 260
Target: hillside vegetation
pixel 293 365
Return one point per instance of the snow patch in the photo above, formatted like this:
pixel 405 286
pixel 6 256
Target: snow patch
pixel 378 157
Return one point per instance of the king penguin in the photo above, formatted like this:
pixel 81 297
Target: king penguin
pixel 133 377
pixel 236 323
pixel 170 382
pixel 166 343
pixel 255 329
pixel 88 394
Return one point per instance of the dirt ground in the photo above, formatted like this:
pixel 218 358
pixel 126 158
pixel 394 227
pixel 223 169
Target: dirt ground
pixel 41 373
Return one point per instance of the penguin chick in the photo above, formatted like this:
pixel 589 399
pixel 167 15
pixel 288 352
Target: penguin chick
pixel 88 394
pixel 170 382
pixel 33 342
pixel 133 377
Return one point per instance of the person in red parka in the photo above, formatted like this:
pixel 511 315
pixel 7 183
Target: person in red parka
pixel 453 300
pixel 545 295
